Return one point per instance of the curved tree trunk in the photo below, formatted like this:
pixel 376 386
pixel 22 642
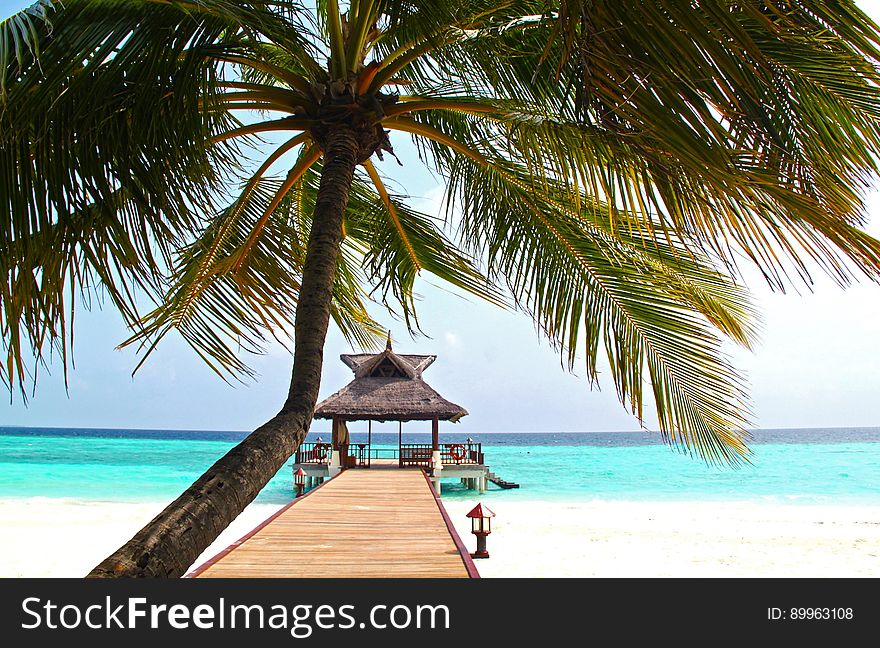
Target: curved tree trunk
pixel 173 540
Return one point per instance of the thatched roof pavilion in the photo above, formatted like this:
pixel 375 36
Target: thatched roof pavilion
pixel 387 386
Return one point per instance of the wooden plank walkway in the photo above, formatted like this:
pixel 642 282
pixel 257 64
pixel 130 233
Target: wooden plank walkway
pixel 364 523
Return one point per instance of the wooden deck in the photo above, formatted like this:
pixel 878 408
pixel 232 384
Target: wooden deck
pixel 375 523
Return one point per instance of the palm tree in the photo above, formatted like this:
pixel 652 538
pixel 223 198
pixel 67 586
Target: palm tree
pixel 609 165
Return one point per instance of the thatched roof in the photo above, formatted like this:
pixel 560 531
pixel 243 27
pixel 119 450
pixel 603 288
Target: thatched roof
pixel 388 387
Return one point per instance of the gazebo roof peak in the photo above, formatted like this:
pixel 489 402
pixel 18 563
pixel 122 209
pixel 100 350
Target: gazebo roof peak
pixel 388 386
pixel 376 364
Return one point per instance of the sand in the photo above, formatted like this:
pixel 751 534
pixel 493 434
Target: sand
pixel 44 537
pixel 645 539
pixel 50 537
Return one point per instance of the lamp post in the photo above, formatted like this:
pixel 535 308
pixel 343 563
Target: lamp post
pixel 481 526
pixel 299 480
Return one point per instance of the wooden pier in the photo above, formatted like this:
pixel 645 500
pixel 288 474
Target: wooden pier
pixel 382 522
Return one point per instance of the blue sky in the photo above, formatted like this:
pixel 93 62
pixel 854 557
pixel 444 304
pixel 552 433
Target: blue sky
pixel 817 364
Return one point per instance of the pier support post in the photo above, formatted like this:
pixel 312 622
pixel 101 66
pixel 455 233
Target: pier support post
pixel 437 462
pixel 335 466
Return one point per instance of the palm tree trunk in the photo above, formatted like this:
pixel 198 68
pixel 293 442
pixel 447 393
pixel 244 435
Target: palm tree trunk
pixel 173 540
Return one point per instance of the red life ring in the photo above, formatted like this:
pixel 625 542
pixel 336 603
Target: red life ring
pixel 320 452
pixel 457 452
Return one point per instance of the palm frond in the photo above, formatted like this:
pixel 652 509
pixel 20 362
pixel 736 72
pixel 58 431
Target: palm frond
pixel 223 307
pixel 395 244
pixel 107 251
pixel 102 110
pixel 718 196
pixel 653 309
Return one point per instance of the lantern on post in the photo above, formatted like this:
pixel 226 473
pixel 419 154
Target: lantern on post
pixel 299 480
pixel 481 526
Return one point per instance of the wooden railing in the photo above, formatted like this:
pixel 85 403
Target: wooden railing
pixel 360 452
pixel 415 454
pixel 419 454
pixel 461 453
pixel 409 454
pixel 383 453
pixel 313 453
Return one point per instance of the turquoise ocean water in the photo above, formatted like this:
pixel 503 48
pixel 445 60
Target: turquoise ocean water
pixel 810 466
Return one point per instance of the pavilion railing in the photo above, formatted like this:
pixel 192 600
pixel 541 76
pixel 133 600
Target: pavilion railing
pixel 461 453
pixel 314 453
pixel 419 454
pixel 383 453
pixel 415 454
pixel 408 454
pixel 357 455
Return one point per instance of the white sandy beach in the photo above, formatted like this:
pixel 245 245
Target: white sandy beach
pixel 646 539
pixel 49 537
pixel 44 537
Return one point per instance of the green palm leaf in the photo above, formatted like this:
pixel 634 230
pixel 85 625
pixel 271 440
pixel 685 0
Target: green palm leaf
pixel 652 308
pixel 395 249
pixel 222 307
